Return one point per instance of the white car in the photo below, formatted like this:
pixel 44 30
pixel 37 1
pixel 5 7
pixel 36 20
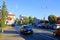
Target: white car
pixel 57 26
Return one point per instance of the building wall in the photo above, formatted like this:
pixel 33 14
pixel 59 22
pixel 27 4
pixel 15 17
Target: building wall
pixel 9 22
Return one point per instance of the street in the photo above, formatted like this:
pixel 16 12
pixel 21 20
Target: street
pixel 39 34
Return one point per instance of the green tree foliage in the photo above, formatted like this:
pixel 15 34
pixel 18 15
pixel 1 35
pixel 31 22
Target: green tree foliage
pixel 34 20
pixel 0 18
pixel 19 22
pixel 16 21
pixel 46 21
pixel 52 19
pixel 25 20
pixel 0 23
pixel 0 14
pixel 30 19
pixel 41 21
pixel 3 11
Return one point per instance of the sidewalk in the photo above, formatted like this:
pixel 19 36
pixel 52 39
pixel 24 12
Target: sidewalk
pixel 10 34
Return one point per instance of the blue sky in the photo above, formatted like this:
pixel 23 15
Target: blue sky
pixel 37 8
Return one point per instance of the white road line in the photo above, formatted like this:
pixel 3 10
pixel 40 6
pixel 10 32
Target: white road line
pixel 48 37
pixel 36 30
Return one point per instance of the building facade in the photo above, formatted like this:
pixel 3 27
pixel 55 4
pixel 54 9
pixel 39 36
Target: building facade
pixel 10 19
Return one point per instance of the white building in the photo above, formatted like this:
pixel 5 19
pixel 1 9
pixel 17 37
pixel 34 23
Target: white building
pixel 10 19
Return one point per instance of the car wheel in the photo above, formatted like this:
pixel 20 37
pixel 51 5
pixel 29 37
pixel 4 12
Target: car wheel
pixel 54 34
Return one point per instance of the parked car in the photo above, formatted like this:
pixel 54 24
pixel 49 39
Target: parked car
pixel 54 26
pixel 58 23
pixel 41 25
pixel 46 25
pixel 57 26
pixel 56 32
pixel 51 26
pixel 26 29
pixel 13 25
pixel 37 25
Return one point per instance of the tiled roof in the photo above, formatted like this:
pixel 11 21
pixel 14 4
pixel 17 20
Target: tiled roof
pixel 11 15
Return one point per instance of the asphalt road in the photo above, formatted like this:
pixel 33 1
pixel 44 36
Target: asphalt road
pixel 39 34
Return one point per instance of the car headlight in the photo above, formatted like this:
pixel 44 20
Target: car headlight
pixel 24 30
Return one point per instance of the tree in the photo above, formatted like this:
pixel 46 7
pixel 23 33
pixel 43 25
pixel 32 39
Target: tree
pixel 25 20
pixel 52 19
pixel 30 19
pixel 0 14
pixel 0 17
pixel 16 21
pixel 41 21
pixel 46 21
pixel 3 15
pixel 34 20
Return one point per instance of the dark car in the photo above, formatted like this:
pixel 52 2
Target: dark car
pixel 37 25
pixel 26 29
pixel 56 32
pixel 51 26
pixel 13 25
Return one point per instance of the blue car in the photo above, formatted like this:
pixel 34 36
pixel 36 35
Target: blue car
pixel 26 29
pixel 13 25
pixel 51 26
pixel 37 25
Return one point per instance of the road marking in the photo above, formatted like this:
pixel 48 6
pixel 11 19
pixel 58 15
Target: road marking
pixel 48 37
pixel 44 31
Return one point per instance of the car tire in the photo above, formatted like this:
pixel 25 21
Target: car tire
pixel 54 33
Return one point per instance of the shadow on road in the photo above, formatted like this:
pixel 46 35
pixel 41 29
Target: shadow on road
pixel 39 36
pixel 35 36
pixel 10 32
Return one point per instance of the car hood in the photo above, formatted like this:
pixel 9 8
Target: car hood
pixel 28 29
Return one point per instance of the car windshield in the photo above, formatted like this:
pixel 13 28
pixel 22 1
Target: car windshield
pixel 26 26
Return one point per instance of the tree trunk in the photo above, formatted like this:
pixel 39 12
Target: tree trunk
pixel 2 30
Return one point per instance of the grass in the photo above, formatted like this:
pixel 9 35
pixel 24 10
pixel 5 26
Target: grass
pixel 0 35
